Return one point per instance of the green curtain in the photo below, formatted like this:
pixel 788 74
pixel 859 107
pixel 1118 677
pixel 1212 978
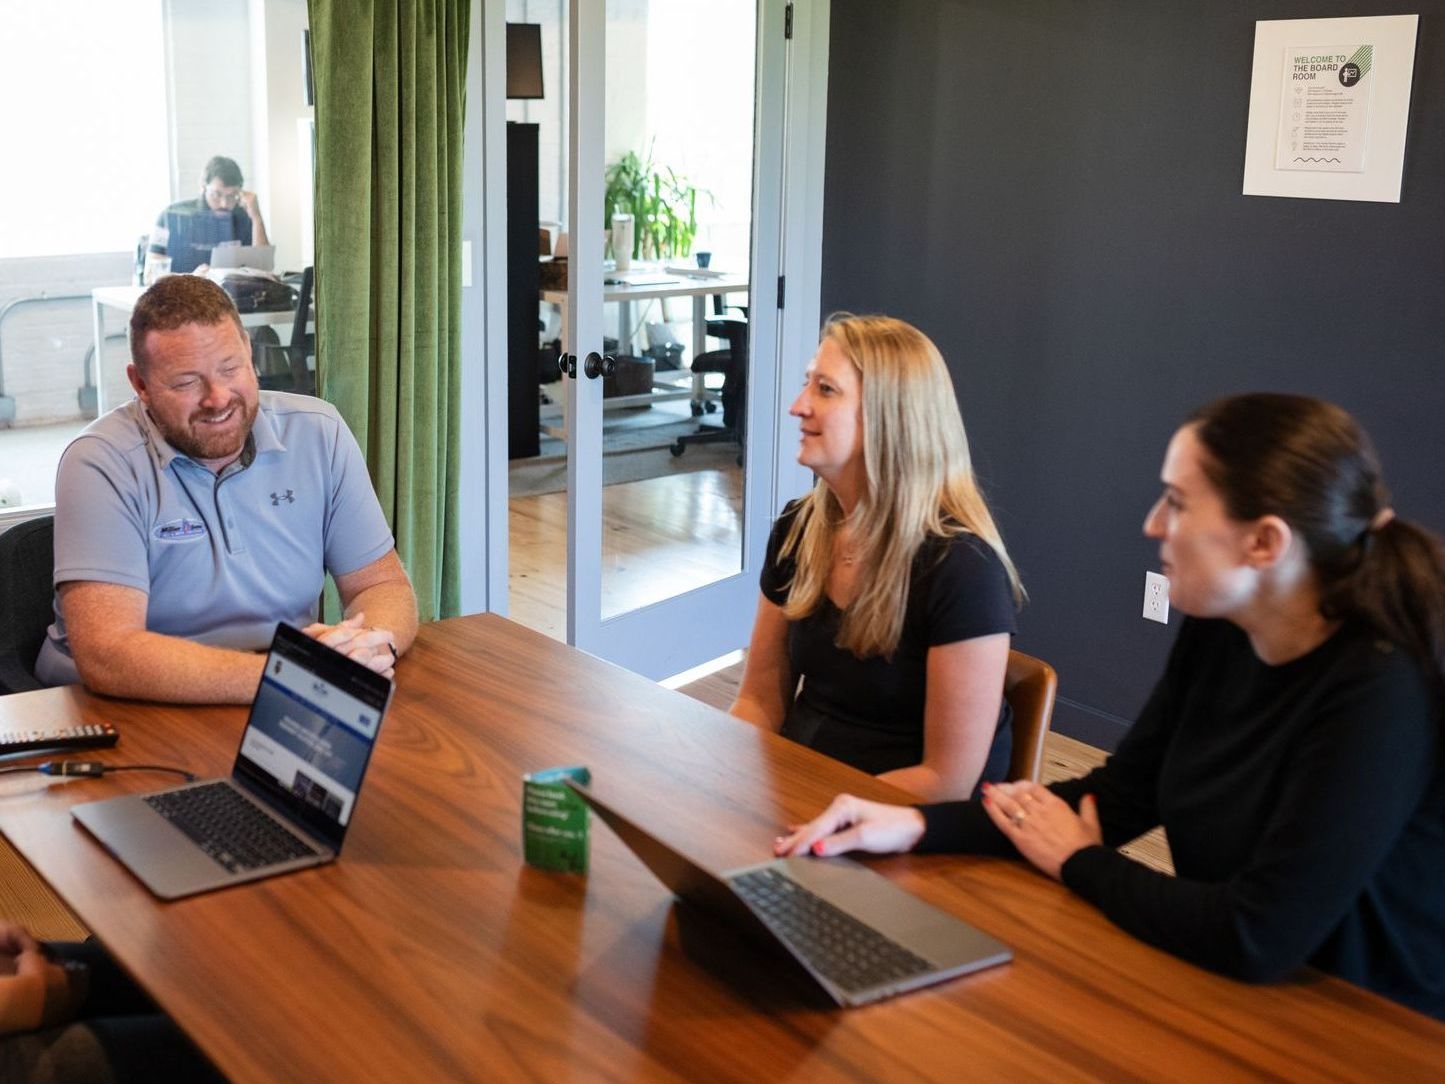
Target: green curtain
pixel 390 92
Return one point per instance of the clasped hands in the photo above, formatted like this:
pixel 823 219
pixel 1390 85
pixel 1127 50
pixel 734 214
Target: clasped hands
pixel 372 647
pixel 1038 822
pixel 1043 826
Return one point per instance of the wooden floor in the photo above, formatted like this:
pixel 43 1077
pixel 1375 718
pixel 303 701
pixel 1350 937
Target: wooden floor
pixel 660 537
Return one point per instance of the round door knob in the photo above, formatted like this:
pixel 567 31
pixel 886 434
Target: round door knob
pixel 599 365
pixel 567 365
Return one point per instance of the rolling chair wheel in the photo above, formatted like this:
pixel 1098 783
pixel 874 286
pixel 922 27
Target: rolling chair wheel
pixel 677 448
pixel 710 407
pixel 696 408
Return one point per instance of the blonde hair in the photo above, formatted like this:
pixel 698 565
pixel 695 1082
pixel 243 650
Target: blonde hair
pixel 920 483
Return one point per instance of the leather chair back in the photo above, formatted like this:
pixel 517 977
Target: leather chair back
pixel 1030 685
pixel 27 562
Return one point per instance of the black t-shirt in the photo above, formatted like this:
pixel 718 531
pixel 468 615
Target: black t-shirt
pixel 1305 806
pixel 869 712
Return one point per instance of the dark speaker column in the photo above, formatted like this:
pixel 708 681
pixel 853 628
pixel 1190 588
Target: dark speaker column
pixel 522 291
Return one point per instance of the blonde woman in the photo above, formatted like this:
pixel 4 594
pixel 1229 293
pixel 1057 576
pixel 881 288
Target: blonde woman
pixel 888 600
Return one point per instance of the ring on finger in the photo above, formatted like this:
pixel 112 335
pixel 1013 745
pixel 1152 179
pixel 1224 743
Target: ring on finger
pixel 1018 818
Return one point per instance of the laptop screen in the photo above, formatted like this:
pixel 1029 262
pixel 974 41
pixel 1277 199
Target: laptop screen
pixel 311 731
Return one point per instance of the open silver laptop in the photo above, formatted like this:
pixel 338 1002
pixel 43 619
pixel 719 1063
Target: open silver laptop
pixel 859 936
pixel 257 257
pixel 292 791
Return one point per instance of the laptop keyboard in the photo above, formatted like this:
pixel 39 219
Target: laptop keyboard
pixel 836 945
pixel 229 827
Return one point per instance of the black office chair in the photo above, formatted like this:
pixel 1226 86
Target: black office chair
pixel 717 329
pixel 295 375
pixel 732 362
pixel 303 342
pixel 720 306
pixel 27 561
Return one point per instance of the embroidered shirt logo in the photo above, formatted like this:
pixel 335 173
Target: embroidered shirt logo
pixel 181 530
pixel 289 497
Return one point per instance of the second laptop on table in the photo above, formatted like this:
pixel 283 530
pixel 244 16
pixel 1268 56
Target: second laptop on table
pixel 856 934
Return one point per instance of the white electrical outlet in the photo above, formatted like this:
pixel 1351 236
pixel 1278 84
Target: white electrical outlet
pixel 1156 597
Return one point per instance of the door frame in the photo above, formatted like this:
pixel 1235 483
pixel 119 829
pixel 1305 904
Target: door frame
pixel 483 473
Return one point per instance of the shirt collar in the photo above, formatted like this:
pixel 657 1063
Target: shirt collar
pixel 264 437
pixel 160 449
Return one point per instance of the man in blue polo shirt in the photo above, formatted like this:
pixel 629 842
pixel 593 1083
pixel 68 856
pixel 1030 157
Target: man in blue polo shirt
pixel 224 213
pixel 193 518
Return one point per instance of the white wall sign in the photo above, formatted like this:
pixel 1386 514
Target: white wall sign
pixel 1329 106
pixel 1324 108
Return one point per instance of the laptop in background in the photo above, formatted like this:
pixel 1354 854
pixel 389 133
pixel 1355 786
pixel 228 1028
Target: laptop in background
pixel 637 278
pixel 859 936
pixel 256 257
pixel 292 789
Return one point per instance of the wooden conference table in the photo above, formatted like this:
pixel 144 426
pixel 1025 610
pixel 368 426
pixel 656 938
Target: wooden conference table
pixel 430 952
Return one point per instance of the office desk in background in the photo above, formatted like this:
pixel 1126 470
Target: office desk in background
pixel 123 300
pixel 697 288
pixel 430 952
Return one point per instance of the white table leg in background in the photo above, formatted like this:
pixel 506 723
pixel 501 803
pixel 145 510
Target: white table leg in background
pixel 699 344
pixel 97 369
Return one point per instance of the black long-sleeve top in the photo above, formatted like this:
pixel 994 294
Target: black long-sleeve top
pixel 1305 807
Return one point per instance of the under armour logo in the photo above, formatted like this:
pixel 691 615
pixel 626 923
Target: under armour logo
pixel 289 497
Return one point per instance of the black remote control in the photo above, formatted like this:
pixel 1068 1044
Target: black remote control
pixel 88 736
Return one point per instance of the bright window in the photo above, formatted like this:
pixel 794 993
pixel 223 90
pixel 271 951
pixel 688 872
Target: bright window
pixel 85 125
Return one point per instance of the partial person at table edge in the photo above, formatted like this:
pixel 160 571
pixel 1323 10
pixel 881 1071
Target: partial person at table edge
pixel 1292 749
pixel 887 589
pixel 192 519
pixel 69 1014
pixel 225 212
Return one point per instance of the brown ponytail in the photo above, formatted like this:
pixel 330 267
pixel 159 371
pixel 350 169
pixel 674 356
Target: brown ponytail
pixel 1310 463
pixel 1398 587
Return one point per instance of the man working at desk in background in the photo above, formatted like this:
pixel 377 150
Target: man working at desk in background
pixel 193 518
pixel 224 213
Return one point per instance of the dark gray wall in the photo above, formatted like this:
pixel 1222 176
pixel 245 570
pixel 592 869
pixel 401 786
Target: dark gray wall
pixel 1052 191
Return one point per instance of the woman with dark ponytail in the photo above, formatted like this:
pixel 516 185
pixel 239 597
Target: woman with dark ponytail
pixel 1292 749
pixel 1310 463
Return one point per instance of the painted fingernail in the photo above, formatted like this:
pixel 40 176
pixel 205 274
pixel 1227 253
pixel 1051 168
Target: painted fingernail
pixel 818 847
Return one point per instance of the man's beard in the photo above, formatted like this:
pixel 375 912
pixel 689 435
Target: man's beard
pixel 198 442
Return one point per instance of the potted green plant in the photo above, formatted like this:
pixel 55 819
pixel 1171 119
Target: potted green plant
pixel 663 205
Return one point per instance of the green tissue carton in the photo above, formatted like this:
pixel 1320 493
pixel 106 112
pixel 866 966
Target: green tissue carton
pixel 554 820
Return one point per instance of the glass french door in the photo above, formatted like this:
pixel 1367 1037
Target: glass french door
pixel 669 329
